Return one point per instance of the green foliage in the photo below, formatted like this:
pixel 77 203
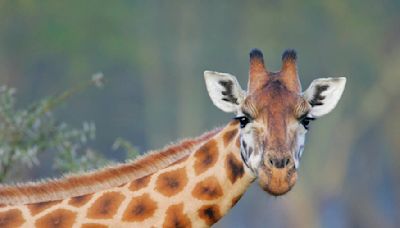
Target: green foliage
pixel 27 132
pixel 130 150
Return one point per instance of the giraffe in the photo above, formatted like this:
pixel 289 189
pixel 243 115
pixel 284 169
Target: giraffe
pixel 196 181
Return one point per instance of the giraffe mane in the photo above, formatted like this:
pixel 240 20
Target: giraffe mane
pixel 71 185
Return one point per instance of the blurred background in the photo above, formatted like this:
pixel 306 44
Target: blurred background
pixel 153 54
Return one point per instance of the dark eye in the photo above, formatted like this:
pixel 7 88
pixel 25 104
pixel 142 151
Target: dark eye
pixel 306 122
pixel 243 121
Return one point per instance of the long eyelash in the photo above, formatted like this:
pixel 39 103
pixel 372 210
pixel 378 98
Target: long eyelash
pixel 247 115
pixel 304 116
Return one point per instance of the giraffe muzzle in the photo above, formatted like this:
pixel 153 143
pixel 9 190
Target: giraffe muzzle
pixel 277 177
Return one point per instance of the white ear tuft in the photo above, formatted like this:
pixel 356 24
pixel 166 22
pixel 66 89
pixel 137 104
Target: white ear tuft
pixel 224 90
pixel 323 95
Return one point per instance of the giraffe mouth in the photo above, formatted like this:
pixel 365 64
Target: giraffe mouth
pixel 277 181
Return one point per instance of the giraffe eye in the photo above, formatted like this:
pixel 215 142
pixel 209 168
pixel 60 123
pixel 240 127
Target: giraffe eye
pixel 306 122
pixel 243 121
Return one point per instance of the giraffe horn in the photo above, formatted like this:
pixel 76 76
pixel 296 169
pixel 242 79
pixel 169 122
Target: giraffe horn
pixel 258 75
pixel 288 72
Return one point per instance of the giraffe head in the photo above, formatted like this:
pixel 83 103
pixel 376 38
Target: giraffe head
pixel 274 116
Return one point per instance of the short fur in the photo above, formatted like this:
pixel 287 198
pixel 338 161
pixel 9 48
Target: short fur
pixel 94 181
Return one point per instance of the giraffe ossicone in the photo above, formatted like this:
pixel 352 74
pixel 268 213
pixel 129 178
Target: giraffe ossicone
pixel 195 182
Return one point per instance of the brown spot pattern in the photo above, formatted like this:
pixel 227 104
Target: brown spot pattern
pixel 36 208
pixel 237 142
pixel 234 168
pixel 79 201
pixel 234 123
pixel 209 213
pixel 105 206
pixel 236 199
pixel 139 209
pixel 59 218
pixel 171 182
pixel 207 189
pixel 206 156
pixel 140 183
pixel 228 136
pixel 11 218
pixel 175 218
pixel 93 225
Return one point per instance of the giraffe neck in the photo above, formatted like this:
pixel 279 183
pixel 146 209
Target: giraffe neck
pixel 102 179
pixel 222 176
pixel 195 191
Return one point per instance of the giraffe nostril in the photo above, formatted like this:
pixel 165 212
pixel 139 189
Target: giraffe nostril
pixel 279 163
pixel 271 162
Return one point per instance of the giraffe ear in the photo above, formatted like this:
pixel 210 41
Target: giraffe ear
pixel 224 90
pixel 323 95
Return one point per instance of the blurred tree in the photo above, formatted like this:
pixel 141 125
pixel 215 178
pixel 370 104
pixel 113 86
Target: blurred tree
pixel 25 133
